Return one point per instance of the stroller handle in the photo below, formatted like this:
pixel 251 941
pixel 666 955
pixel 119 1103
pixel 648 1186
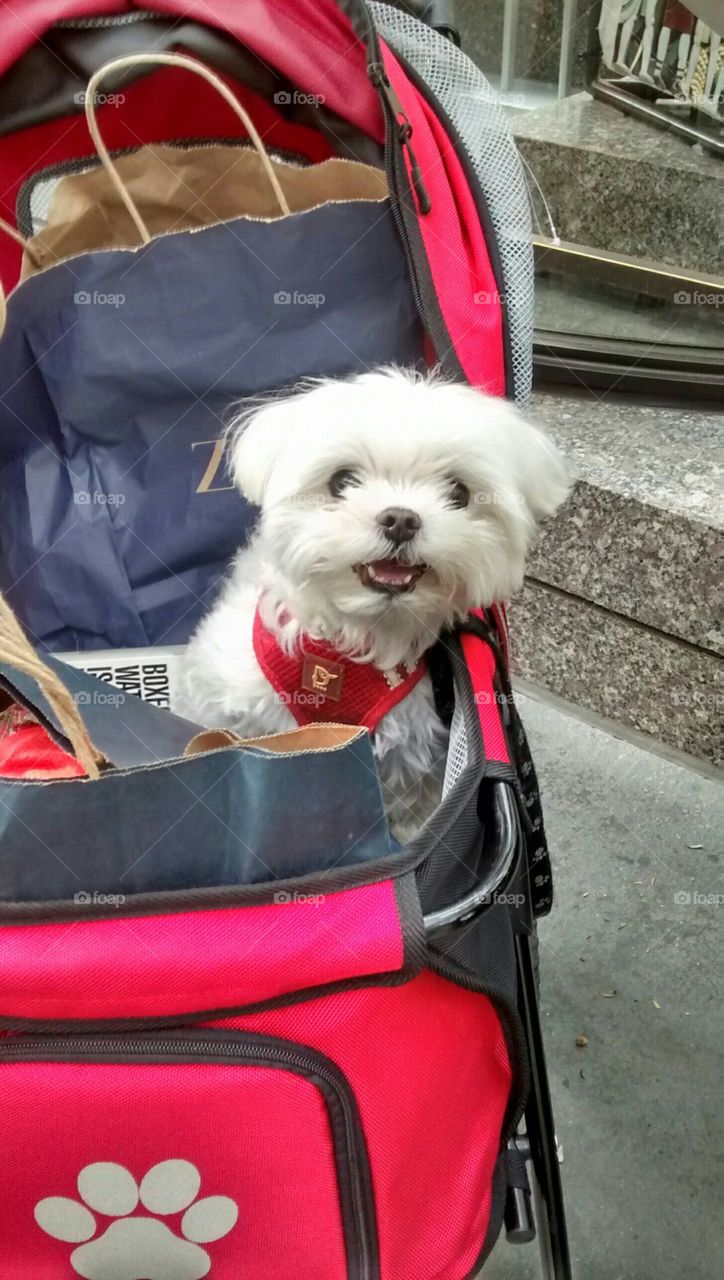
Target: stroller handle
pixel 508 835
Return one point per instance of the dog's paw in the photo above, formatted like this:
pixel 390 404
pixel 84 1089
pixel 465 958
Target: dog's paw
pixel 134 1246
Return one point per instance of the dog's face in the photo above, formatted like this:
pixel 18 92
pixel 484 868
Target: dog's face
pixel 394 500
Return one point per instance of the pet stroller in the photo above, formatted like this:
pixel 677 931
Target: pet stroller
pixel 333 1066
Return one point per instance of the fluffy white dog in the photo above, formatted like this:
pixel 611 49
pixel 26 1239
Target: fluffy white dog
pixel 391 504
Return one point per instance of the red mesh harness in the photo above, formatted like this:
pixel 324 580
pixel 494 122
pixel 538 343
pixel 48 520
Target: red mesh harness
pixel 319 684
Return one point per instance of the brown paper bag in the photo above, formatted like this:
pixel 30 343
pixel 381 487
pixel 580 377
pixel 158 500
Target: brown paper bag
pixel 310 737
pixel 180 188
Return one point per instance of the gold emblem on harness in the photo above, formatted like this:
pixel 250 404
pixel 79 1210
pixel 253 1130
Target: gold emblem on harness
pixel 323 677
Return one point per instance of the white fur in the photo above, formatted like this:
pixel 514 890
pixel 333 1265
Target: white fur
pixel 407 436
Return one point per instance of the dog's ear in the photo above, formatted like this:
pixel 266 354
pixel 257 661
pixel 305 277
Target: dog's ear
pixel 537 467
pixel 542 475
pixel 255 442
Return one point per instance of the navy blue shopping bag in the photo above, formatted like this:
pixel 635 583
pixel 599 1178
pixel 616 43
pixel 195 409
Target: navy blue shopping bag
pixel 117 373
pixel 181 809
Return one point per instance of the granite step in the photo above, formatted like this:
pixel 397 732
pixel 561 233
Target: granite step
pixel 619 184
pixel 620 612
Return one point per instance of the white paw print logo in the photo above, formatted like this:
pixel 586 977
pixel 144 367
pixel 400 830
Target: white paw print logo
pixel 138 1248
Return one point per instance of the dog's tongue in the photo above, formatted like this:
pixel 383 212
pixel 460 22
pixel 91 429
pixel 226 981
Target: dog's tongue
pixel 390 573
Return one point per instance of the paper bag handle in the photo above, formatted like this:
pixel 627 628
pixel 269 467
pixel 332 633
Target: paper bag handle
pixel 14 234
pixel 173 60
pixel 16 650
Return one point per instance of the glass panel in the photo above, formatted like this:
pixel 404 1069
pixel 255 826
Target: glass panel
pixel 645 185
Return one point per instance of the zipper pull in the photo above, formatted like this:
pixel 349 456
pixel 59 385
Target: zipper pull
pixel 379 78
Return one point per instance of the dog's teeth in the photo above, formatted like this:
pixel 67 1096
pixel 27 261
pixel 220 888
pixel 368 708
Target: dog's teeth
pixel 395 575
pixel 390 575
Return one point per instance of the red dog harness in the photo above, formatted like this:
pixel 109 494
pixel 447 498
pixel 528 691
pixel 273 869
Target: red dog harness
pixel 317 683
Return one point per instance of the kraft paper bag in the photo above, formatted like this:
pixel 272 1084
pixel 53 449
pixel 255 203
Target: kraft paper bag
pixel 180 188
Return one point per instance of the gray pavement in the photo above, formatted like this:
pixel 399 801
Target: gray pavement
pixel 631 959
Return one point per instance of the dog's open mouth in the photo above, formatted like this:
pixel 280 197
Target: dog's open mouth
pixel 390 576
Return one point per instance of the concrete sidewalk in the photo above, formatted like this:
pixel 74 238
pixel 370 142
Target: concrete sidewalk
pixel 630 958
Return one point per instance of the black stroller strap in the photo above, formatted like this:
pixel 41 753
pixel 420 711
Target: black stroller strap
pixel 527 788
pixel 516 1174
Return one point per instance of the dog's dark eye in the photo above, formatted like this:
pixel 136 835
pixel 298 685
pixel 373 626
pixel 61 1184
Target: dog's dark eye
pixel 459 494
pixel 343 479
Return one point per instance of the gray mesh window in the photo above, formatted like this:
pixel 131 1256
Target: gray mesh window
pixel 471 104
pixel 457 755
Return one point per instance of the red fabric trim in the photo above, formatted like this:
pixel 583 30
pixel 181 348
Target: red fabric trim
pixel 312 45
pixel 159 966
pixel 480 661
pixel 356 692
pixel 454 244
pixel 499 616
pixel 30 752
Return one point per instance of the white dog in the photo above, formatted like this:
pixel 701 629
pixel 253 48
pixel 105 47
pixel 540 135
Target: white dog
pixel 391 504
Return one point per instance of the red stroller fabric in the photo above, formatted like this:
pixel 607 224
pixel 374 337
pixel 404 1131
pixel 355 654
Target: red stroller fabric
pixel 459 261
pixel 203 1083
pixel 302 1079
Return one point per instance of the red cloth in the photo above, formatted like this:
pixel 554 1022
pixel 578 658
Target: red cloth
pixel 28 751
pixel 317 683
pixel 458 256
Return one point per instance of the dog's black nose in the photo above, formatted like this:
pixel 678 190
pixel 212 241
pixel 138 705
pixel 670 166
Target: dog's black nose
pixel 399 524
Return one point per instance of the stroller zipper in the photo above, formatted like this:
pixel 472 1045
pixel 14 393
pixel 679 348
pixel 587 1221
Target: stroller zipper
pixel 399 120
pixel 115 20
pixel 398 132
pixel 262 1050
